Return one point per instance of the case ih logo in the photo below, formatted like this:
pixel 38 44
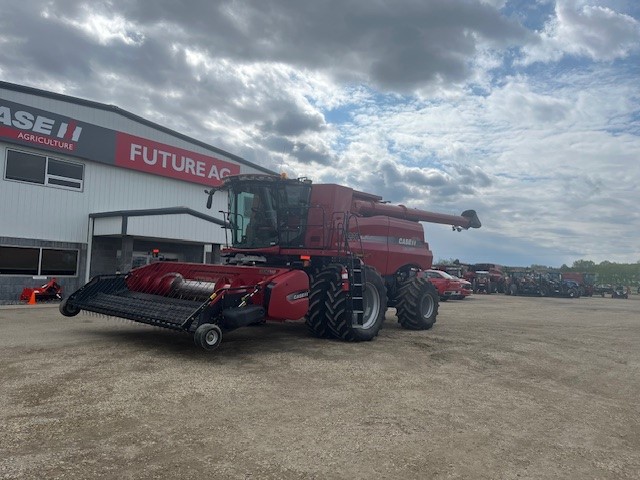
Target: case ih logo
pixel 411 242
pixel 39 129
pixel 298 296
pixel 29 126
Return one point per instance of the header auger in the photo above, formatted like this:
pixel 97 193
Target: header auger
pixel 327 253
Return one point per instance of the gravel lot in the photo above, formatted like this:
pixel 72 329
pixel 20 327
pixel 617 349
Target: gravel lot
pixel 502 387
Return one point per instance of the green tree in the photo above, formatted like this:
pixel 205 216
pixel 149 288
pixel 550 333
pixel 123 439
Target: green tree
pixel 583 266
pixel 447 261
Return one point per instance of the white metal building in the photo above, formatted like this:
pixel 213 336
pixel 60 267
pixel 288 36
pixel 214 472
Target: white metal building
pixel 88 188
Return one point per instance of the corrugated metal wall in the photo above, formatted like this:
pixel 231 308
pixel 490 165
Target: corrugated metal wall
pixel 48 213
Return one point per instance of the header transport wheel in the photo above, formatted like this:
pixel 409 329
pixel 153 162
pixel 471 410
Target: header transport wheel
pixel 208 336
pixel 68 310
pixel 417 304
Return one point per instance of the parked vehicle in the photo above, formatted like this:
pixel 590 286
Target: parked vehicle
pixel 482 282
pixel 619 292
pixel 557 285
pixel 497 276
pixel 466 289
pixel 526 282
pixel 584 280
pixel 447 285
pixel 603 289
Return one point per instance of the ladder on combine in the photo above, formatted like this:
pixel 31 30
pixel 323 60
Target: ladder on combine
pixel 356 299
pixel 355 268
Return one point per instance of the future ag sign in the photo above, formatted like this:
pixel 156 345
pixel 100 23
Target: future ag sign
pixel 29 126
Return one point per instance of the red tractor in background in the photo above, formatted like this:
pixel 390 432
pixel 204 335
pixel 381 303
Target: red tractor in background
pixel 482 282
pixel 489 279
pixel 327 253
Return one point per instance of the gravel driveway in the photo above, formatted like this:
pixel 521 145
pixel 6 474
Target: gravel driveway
pixel 501 387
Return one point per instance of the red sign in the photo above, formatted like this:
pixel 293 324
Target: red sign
pixel 32 127
pixel 159 159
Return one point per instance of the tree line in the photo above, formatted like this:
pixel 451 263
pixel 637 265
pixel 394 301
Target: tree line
pixel 608 272
pixel 605 272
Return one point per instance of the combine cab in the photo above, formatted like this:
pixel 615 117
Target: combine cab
pixel 326 253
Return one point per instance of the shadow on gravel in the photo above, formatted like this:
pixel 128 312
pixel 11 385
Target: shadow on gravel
pixel 254 340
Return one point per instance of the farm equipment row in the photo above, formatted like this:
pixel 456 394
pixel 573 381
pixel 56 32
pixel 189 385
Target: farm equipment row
pixel 334 256
pixel 492 278
pixel 541 285
pixel 483 277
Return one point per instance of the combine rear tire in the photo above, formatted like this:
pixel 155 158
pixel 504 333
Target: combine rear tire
pixel 316 319
pixel 208 336
pixel 68 310
pixel 417 306
pixel 375 307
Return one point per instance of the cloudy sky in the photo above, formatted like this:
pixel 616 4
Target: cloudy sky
pixel 527 111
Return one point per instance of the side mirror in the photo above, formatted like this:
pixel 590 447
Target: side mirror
pixel 210 199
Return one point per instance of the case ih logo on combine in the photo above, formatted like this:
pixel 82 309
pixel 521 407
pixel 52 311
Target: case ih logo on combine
pixel 411 242
pixel 39 129
pixel 298 296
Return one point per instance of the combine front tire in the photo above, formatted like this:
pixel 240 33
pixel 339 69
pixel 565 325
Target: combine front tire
pixel 375 307
pixel 68 310
pixel 417 305
pixel 208 336
pixel 316 319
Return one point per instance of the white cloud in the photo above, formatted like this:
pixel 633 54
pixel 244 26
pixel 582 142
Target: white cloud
pixel 588 30
pixel 442 105
pixel 106 28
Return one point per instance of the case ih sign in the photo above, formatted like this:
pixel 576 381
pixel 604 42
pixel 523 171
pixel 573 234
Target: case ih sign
pixel 32 127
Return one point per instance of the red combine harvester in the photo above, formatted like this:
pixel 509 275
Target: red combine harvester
pixel 326 253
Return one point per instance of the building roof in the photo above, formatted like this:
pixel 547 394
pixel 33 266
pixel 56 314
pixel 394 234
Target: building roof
pixel 114 109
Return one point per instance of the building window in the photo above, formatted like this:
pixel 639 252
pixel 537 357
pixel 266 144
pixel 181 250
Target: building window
pixel 25 167
pixel 59 262
pixel 38 261
pixel 19 261
pixel 32 168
